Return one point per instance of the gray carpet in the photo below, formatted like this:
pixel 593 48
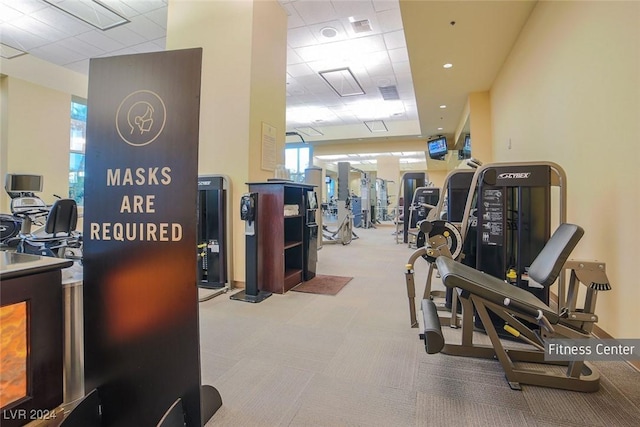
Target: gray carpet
pixel 302 359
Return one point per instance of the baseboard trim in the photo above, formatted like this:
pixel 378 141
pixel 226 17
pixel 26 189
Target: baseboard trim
pixel 599 333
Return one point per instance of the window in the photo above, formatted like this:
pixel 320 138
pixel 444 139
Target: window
pixel 296 160
pixel 76 150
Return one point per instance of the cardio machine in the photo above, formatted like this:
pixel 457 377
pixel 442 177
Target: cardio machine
pixel 57 236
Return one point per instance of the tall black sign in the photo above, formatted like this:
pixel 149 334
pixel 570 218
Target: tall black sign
pixel 140 294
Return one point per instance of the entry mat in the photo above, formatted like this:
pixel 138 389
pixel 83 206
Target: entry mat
pixel 323 284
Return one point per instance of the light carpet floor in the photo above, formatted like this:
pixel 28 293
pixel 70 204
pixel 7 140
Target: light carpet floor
pixel 302 359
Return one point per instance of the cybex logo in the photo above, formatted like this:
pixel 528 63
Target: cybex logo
pixel 514 175
pixel 204 182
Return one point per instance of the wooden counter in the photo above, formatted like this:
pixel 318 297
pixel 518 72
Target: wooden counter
pixel 31 355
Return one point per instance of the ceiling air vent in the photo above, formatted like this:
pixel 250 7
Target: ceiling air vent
pixel 363 26
pixel 389 93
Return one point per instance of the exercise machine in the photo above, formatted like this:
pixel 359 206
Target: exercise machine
pixel 505 223
pixel 519 309
pixel 408 184
pixel 344 234
pixel 213 235
pixel 57 236
pixel 443 237
pixel 423 202
pixel 382 200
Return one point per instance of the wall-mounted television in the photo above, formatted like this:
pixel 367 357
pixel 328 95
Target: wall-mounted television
pixel 437 148
pixel 23 183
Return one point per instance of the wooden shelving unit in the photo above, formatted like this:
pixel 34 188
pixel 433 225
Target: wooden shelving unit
pixel 280 237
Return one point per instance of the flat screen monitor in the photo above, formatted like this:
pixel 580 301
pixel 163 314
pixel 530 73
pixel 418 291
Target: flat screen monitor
pixel 437 148
pixel 15 183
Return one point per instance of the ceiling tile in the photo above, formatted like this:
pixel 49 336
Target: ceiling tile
pixel 80 66
pixel 299 70
pixel 124 35
pixel 293 18
pixel 390 20
pixel 101 40
pixel 292 57
pixel 380 5
pixel 137 6
pixel 20 39
pixel 395 40
pixel 299 37
pixel 7 13
pixel 399 55
pixel 28 6
pixel 62 21
pixel 77 44
pixel 314 12
pixel 159 16
pixel 38 28
pixel 57 53
pixel 146 27
pixel 360 9
pixel 146 47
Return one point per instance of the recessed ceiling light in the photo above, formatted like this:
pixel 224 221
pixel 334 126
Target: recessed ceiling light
pixel 376 126
pixel 439 128
pixel 9 52
pixel 328 32
pixel 447 65
pixel 443 106
pixel 92 12
pixel 342 81
pixel 309 131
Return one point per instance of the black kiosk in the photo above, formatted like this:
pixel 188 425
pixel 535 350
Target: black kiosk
pixel 249 214
pixel 212 239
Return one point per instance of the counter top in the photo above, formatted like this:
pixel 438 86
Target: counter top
pixel 13 264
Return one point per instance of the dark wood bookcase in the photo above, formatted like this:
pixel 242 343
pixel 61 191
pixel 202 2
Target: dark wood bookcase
pixel 280 237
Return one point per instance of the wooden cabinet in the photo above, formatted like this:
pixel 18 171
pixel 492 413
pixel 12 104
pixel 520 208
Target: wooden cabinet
pixel 281 224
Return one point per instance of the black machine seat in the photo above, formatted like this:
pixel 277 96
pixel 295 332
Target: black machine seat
pixel 61 222
pixel 547 266
pixel 544 270
pixel 62 217
pixel 471 281
pixel 58 237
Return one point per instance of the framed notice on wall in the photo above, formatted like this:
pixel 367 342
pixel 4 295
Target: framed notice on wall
pixel 268 147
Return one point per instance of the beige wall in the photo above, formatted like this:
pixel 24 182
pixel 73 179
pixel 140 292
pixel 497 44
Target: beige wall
pixel 35 136
pixel 480 126
pixel 569 92
pixel 243 85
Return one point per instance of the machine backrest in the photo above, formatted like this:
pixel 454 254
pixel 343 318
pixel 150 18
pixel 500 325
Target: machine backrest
pixel 62 217
pixel 547 266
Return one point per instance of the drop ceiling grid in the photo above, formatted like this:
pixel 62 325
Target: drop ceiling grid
pixel 366 54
